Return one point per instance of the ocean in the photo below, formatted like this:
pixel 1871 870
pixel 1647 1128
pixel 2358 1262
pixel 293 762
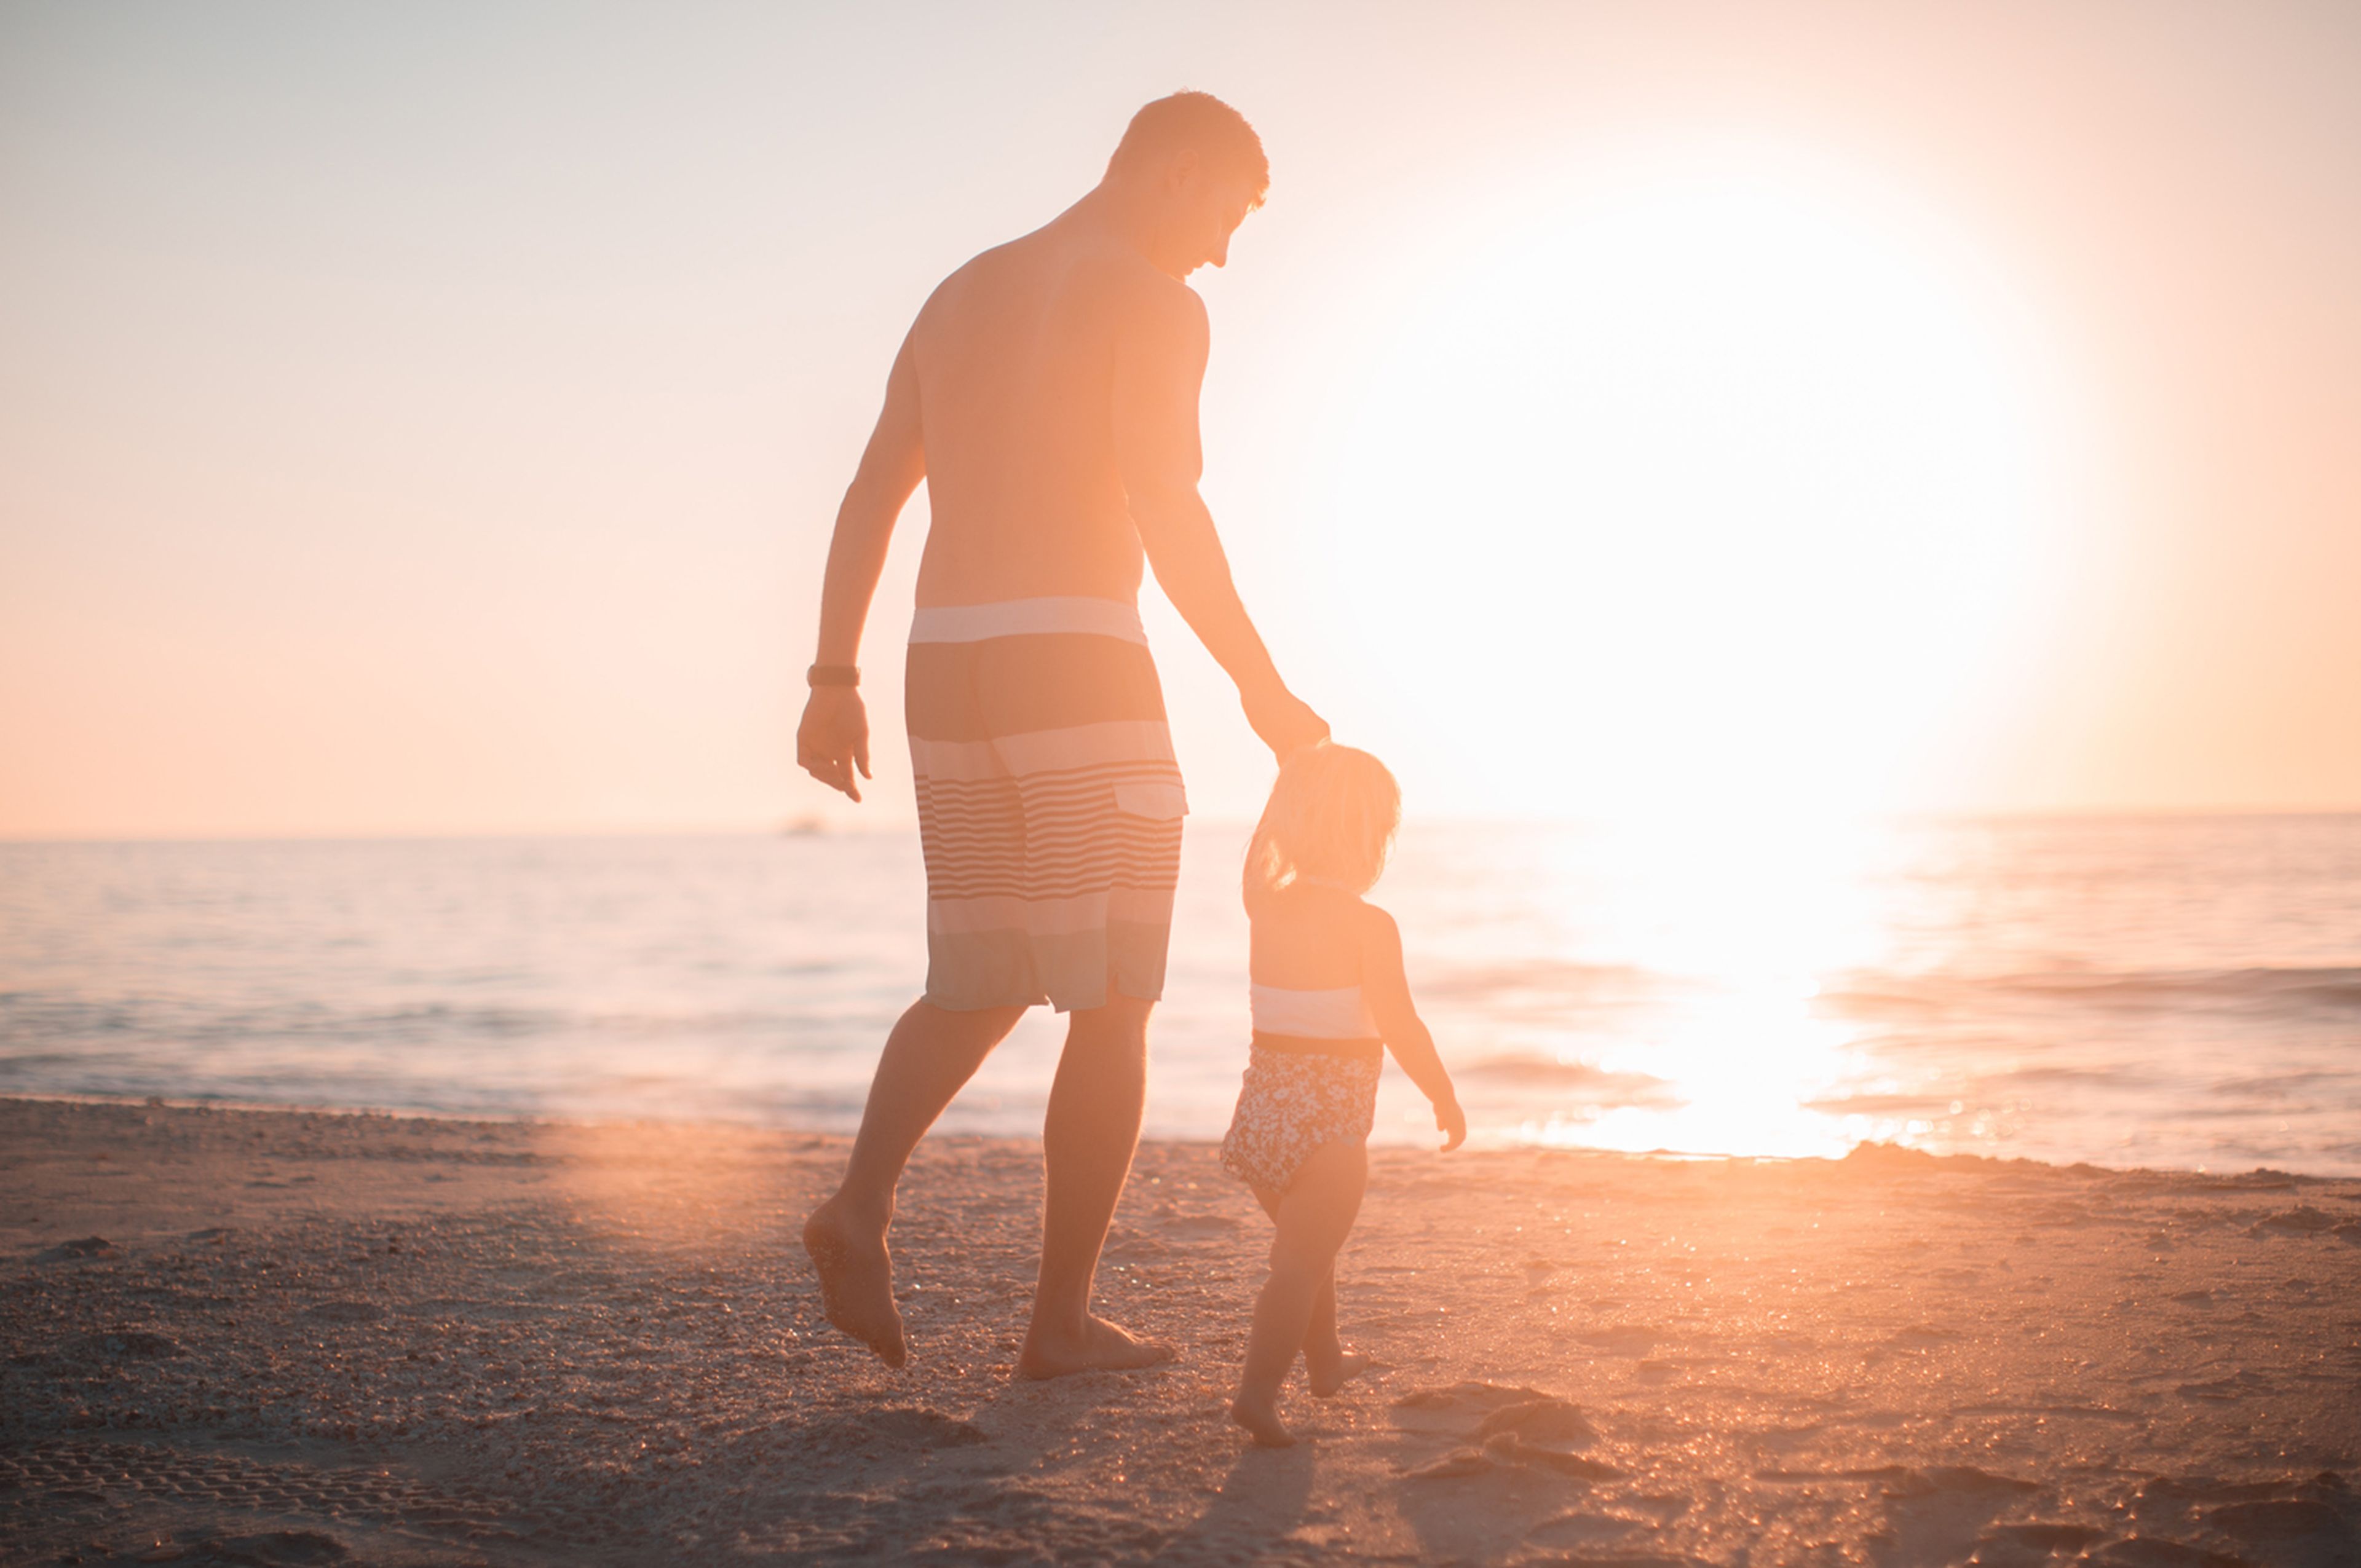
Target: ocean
pixel 2163 991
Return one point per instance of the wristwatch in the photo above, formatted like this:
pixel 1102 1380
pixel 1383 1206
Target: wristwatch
pixel 832 676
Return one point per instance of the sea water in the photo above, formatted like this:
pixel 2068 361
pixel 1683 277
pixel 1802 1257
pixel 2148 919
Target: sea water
pixel 2168 991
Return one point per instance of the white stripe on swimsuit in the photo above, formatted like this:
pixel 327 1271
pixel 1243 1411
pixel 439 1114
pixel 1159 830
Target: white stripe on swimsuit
pixel 1342 1014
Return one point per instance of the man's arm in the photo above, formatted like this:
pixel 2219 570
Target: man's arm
pixel 833 739
pixel 1159 368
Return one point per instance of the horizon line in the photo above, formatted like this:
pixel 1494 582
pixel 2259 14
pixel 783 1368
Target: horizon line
pixel 817 827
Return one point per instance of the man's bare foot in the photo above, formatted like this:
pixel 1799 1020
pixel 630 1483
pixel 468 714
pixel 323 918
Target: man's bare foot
pixel 1331 1372
pixel 1260 1417
pixel 1102 1347
pixel 856 1281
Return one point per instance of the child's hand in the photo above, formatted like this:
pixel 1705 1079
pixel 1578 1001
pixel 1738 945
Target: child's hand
pixel 1452 1122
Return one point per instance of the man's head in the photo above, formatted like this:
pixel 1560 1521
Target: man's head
pixel 1195 169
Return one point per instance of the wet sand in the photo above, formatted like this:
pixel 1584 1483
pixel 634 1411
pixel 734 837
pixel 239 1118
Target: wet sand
pixel 282 1337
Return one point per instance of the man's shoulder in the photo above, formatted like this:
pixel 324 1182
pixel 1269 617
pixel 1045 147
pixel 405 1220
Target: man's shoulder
pixel 1148 285
pixel 1088 261
pixel 975 271
pixel 1173 316
pixel 1099 286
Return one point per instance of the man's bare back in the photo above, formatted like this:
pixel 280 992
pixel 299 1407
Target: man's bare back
pixel 1015 356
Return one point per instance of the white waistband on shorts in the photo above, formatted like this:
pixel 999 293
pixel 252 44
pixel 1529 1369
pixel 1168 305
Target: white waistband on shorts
pixel 1028 618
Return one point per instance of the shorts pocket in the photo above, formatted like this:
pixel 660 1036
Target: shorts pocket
pixel 1158 802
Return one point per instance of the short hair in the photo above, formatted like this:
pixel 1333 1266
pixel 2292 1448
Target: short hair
pixel 1332 816
pixel 1199 122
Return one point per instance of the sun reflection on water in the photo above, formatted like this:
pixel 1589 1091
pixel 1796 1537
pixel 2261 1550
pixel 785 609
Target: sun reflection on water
pixel 1742 922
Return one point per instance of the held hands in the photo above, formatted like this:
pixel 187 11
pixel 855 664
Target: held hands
pixel 1284 721
pixel 1452 1122
pixel 833 738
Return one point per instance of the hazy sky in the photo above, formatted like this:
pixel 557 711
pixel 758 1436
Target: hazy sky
pixel 429 418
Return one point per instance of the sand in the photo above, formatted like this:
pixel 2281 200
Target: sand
pixel 282 1337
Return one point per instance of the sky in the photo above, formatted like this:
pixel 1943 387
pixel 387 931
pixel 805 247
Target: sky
pixel 429 419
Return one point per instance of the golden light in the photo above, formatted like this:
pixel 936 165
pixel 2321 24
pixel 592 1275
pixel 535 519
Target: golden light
pixel 1706 476
pixel 1755 921
pixel 1724 935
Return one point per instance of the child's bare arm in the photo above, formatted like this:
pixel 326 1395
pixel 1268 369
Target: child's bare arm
pixel 1387 988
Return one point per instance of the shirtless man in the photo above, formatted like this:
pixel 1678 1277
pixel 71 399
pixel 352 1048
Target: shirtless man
pixel 1047 395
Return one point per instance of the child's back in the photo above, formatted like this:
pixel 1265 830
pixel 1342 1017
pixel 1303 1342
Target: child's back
pixel 1306 936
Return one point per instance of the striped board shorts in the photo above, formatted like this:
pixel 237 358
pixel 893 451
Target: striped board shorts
pixel 1049 804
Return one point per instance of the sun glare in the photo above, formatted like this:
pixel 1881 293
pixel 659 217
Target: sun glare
pixel 1718 477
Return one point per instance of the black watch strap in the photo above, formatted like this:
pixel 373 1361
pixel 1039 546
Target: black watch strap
pixel 833 675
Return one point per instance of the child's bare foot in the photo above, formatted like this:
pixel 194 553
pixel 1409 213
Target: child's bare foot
pixel 1260 1417
pixel 1331 1372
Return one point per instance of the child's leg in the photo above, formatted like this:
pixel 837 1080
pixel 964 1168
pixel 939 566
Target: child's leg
pixel 1324 1359
pixel 1315 1217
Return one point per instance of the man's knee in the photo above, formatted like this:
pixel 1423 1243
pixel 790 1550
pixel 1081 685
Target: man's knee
pixel 976 1028
pixel 982 1020
pixel 1117 1027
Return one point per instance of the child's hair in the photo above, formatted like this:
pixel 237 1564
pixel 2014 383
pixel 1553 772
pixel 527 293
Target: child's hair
pixel 1332 815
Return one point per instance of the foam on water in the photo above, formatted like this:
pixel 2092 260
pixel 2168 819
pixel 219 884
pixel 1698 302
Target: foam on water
pixel 2181 992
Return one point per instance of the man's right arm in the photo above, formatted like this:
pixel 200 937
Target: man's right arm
pixel 1160 369
pixel 832 742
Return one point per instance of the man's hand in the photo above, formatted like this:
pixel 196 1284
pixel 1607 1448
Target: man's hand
pixel 1284 721
pixel 833 738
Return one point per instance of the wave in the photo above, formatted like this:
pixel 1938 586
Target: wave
pixel 31 1016
pixel 1541 989
pixel 1592 1084
pixel 1544 982
pixel 2327 991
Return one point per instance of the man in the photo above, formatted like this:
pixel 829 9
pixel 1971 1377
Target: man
pixel 1047 395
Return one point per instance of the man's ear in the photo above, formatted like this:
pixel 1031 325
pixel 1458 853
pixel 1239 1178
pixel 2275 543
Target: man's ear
pixel 1184 170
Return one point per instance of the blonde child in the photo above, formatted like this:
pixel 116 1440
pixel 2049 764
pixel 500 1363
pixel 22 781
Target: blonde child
pixel 1329 1000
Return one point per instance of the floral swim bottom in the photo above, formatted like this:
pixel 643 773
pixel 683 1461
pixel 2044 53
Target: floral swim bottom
pixel 1293 1102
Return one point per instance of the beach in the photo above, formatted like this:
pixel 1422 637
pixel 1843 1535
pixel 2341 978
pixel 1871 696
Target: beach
pixel 242 1336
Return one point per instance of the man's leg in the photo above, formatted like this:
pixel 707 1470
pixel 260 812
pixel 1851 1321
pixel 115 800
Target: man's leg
pixel 928 1059
pixel 1087 1143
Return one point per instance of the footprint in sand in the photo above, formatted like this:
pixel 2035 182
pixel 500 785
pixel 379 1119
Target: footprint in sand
pixel 2300 1220
pixel 1957 1480
pixel 911 1426
pixel 1580 1529
pixel 81 1246
pixel 1544 1420
pixel 2238 1385
pixel 1500 1425
pixel 1507 1447
pixel 1466 1397
pixel 1459 1407
pixel 1451 1466
pixel 126 1345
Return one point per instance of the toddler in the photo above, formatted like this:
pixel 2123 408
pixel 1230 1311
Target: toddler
pixel 1329 1000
